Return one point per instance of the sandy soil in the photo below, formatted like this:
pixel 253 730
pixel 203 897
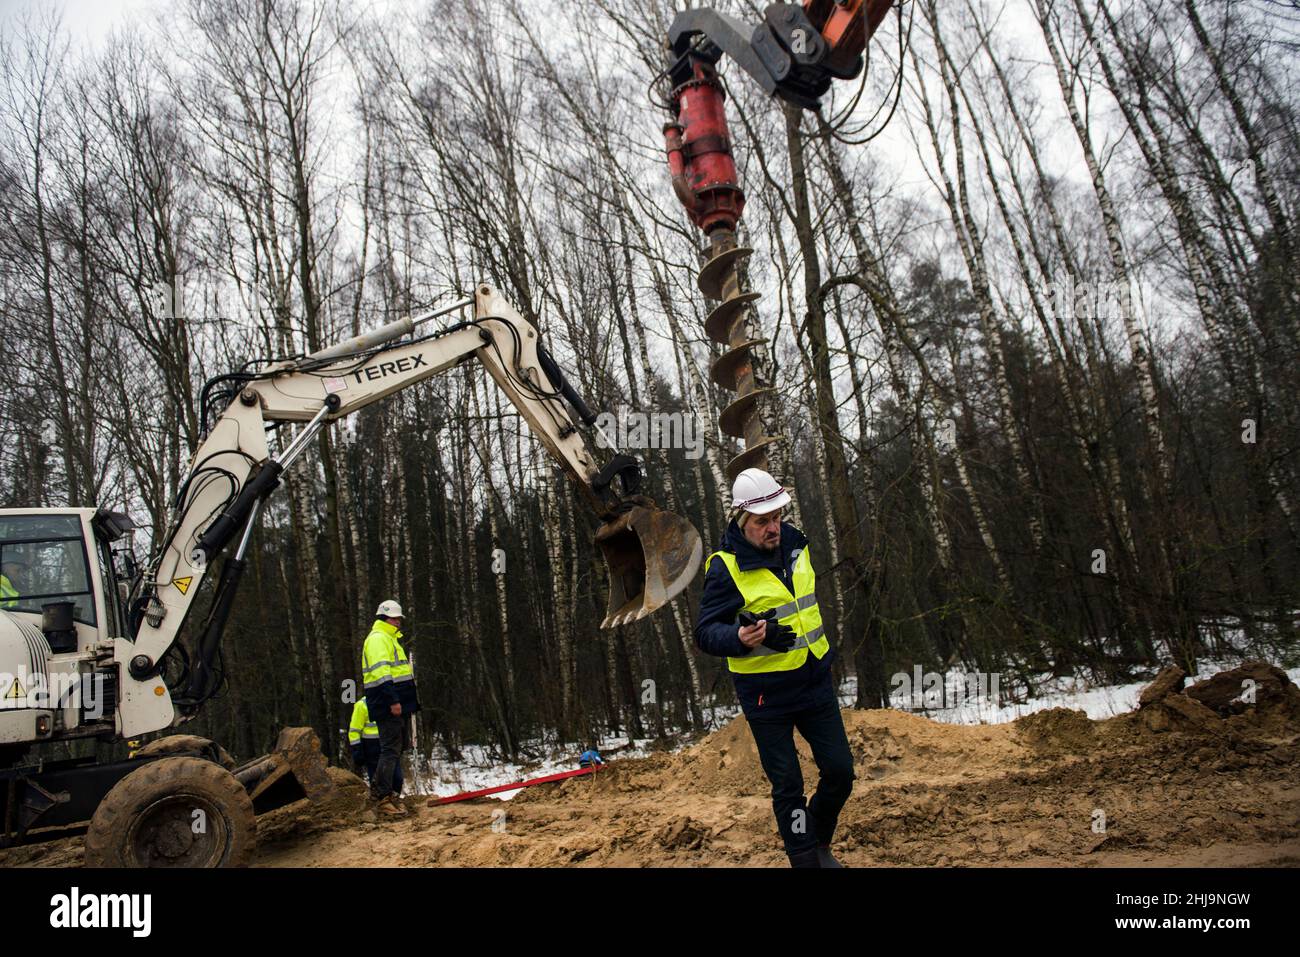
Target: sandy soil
pixel 1190 779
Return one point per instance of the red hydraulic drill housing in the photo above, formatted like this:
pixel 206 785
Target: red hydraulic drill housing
pixel 699 152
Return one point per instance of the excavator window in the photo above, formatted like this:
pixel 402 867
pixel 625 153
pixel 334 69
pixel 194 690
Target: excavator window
pixel 43 560
pixel 114 599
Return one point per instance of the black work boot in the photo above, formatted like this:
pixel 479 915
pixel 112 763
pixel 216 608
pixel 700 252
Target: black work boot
pixel 808 858
pixel 825 858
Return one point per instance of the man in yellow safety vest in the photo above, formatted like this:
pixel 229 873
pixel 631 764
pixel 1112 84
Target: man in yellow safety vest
pixel 389 680
pixel 759 611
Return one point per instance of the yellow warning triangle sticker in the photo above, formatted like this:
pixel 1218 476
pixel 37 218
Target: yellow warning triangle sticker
pixel 16 690
pixel 183 583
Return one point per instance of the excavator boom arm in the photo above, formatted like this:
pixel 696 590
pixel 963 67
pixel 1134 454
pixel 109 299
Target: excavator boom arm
pixel 652 555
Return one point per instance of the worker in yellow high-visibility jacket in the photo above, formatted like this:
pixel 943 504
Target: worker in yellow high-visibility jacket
pixel 759 611
pixel 389 682
pixel 10 571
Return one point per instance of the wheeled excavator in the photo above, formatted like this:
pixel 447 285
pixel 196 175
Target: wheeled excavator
pixel 83 656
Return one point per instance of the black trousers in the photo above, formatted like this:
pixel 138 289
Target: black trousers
pixel 806 824
pixel 372 768
pixel 394 738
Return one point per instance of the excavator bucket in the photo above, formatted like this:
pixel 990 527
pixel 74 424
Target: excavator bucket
pixel 652 555
pixel 296 769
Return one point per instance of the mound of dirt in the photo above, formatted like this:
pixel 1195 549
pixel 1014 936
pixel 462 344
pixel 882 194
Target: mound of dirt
pixel 1058 730
pixel 1255 683
pixel 1255 700
pixel 303 817
pixel 1168 681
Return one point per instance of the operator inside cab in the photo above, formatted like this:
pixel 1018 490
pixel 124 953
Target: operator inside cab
pixel 12 576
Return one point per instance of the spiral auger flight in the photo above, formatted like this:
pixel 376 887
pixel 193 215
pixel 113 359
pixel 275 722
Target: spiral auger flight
pixel 705 182
pixel 796 53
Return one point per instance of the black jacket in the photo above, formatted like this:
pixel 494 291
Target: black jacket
pixel 770 694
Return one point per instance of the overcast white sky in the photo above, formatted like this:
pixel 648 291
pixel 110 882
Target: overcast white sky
pixel 87 21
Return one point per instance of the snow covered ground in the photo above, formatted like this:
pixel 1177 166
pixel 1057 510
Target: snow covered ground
pixel 1096 701
pixel 479 769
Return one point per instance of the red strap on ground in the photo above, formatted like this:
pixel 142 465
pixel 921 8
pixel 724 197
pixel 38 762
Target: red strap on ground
pixel 545 779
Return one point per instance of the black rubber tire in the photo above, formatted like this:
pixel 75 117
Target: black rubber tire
pixel 190 744
pixel 146 820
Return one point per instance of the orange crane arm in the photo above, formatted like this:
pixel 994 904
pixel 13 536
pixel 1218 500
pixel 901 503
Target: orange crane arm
pixel 846 27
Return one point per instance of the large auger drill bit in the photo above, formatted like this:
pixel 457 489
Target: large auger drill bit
pixel 705 181
pixel 795 53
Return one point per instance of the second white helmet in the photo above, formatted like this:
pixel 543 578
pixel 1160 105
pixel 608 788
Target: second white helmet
pixel 757 492
pixel 389 609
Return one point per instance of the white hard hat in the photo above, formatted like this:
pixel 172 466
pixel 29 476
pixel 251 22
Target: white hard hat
pixel 389 609
pixel 756 491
